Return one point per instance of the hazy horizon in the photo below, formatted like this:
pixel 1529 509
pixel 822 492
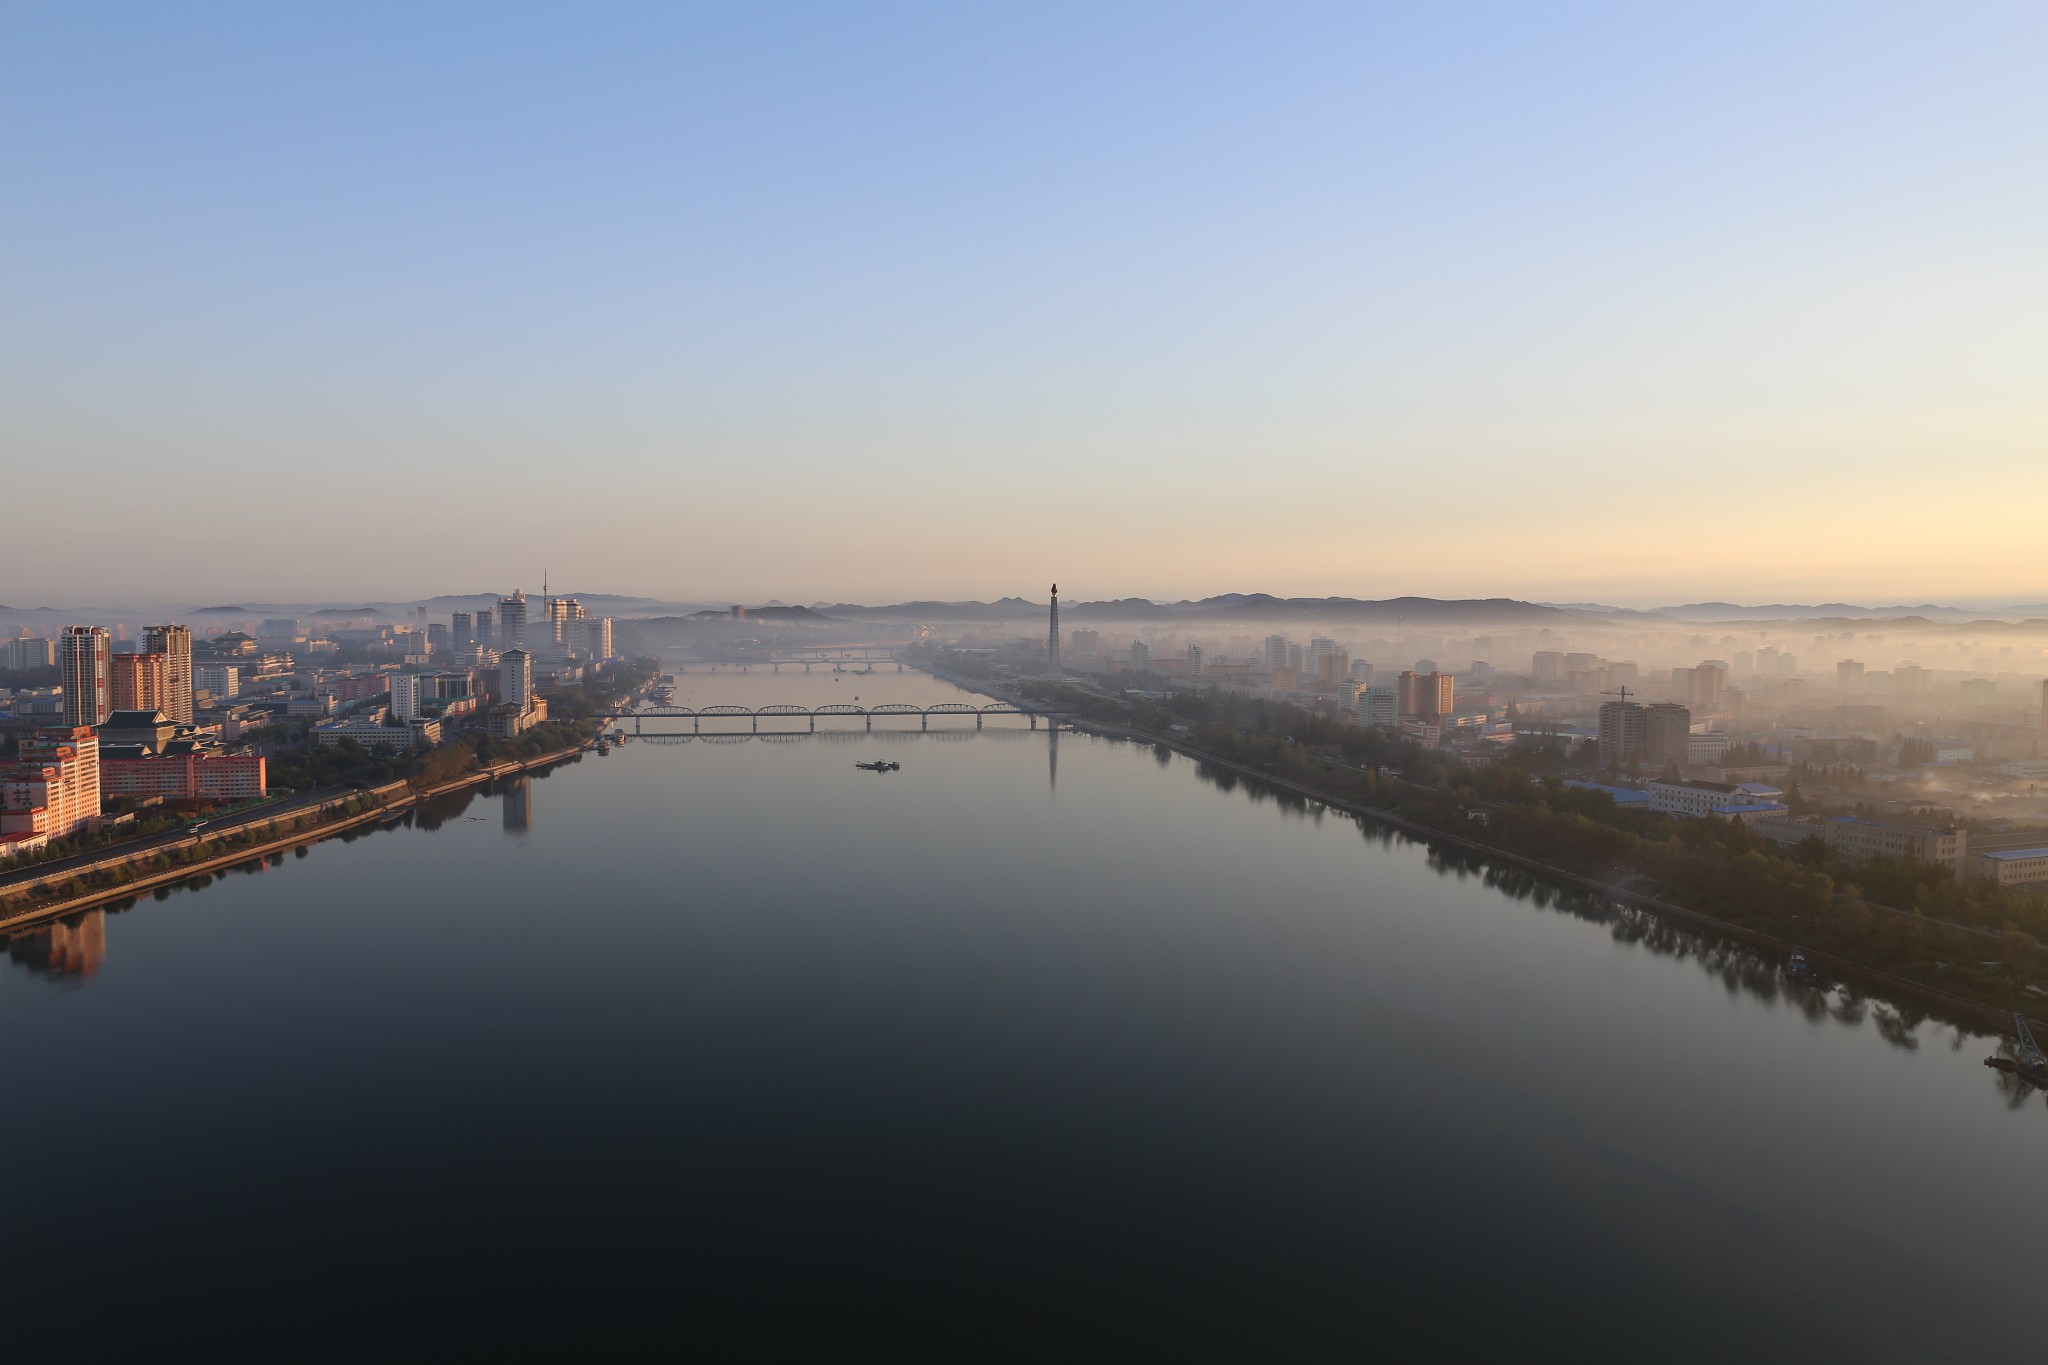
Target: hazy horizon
pixel 1068 597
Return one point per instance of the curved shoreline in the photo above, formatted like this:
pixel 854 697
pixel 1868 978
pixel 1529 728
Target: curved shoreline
pixel 1998 1019
pixel 392 798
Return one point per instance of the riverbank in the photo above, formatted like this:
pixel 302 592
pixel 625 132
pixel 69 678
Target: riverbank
pixel 1996 1017
pixel 335 818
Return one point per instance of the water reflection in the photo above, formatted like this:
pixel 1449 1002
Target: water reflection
pixel 519 806
pixel 437 811
pixel 1742 968
pixel 69 950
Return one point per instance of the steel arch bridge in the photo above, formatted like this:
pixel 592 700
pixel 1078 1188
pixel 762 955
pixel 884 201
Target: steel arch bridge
pixel 697 715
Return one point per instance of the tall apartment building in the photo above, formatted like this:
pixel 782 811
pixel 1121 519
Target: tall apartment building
pixel 1378 706
pixel 1085 641
pixel 1427 696
pixel 1141 657
pixel 84 655
pixel 1547 665
pixel 1849 675
pixel 462 628
pixel 1667 734
pixel 175 644
pixel 1621 734
pixel 1710 679
pixel 485 635
pixel 140 682
pixel 53 787
pixel 1276 653
pixel 1194 661
pixel 512 620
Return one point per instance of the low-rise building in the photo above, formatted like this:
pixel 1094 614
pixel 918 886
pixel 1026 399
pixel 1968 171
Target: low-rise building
pixel 151 729
pixel 1633 798
pixel 368 732
pixel 193 775
pixel 2010 866
pixel 1857 838
pixel 1710 800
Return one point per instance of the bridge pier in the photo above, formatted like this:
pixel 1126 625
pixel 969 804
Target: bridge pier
pixel 977 720
pixel 1034 718
pixel 814 722
pixel 871 722
pixel 757 724
pixel 926 721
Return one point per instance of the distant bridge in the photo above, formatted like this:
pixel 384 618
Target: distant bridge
pixel 697 715
pixel 840 659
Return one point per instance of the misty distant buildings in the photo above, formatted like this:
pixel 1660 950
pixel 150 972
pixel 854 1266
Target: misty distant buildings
pixel 512 620
pixel 1658 735
pixel 31 651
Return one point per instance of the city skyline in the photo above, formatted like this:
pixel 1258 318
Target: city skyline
pixel 1592 305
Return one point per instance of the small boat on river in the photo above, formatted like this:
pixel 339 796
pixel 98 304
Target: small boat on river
pixel 2031 1065
pixel 878 767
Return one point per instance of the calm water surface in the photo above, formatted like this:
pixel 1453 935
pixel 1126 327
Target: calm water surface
pixel 1030 1050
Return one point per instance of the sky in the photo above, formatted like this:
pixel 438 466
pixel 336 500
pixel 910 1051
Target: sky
pixel 1635 303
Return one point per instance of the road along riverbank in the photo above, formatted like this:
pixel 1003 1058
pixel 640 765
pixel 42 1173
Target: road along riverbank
pixel 330 817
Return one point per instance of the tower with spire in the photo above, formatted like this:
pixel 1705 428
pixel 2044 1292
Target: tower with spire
pixel 1052 635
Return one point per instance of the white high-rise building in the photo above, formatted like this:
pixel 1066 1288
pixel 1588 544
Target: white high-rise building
pixel 223 680
pixel 515 678
pixel 1276 652
pixel 405 696
pixel 84 653
pixel 32 651
pixel 1194 661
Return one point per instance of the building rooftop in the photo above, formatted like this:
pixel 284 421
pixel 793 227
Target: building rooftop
pixel 2012 854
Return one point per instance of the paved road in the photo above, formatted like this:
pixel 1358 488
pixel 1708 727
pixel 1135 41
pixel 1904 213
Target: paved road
pixel 135 848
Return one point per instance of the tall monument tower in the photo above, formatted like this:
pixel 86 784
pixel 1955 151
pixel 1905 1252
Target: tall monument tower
pixel 1052 636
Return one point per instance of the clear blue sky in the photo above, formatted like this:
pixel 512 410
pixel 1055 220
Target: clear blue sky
pixel 1642 303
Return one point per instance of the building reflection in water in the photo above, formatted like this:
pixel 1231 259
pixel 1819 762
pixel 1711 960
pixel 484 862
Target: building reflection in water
pixel 519 805
pixel 63 950
pixel 1052 754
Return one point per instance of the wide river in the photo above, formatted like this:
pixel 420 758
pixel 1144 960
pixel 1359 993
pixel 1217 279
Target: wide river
pixel 1036 1049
